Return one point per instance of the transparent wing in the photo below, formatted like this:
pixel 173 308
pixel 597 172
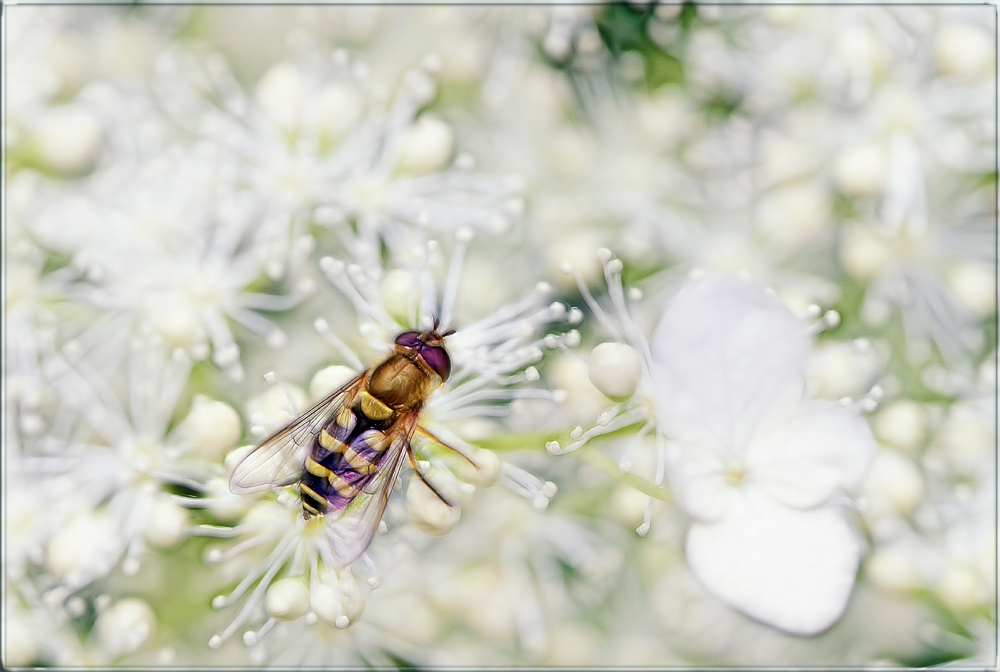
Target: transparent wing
pixel 350 532
pixel 280 459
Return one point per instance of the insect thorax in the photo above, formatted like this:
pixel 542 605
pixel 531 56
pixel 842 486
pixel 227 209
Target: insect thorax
pixel 401 383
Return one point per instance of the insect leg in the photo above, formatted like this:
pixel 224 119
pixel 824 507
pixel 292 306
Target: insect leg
pixel 413 463
pixel 442 443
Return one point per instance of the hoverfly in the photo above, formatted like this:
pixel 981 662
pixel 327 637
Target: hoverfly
pixel 346 452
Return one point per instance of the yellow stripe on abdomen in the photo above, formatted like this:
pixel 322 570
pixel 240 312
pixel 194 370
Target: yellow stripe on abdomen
pixel 329 442
pixel 315 468
pixel 343 487
pixel 372 407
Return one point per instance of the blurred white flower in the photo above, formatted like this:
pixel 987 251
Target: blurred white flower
pixel 163 251
pixel 755 465
pixel 115 464
pixel 318 140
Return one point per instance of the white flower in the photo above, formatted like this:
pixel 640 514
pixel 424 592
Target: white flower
pixel 115 464
pixel 757 467
pixel 491 360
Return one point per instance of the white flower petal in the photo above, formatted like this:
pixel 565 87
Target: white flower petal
pixel 698 480
pixel 789 569
pixel 822 448
pixel 726 354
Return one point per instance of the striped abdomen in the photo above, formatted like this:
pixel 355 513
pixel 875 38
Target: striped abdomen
pixel 346 455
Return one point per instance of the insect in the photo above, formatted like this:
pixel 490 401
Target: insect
pixel 346 452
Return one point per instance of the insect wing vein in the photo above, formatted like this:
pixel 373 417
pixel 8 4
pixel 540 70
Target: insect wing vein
pixel 350 532
pixel 281 458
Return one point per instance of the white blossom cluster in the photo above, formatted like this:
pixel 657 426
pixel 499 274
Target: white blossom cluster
pixel 723 285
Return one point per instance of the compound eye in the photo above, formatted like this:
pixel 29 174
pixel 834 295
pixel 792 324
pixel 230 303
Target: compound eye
pixel 437 359
pixel 409 339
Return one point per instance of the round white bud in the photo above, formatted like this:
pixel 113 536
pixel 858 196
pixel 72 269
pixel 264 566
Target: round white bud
pixel 398 292
pixel 211 428
pixel 841 369
pixel 485 473
pixel 789 217
pixel 328 380
pixel 166 525
pixel 893 569
pixel 125 626
pixel 903 423
pixel 177 322
pixel 615 370
pixel 279 95
pixel 859 170
pixel 427 512
pixel 894 484
pixel 68 139
pixel 20 643
pixel 337 605
pixel 287 599
pixel 271 408
pixel 85 546
pixel 337 109
pixel 863 252
pixel 962 588
pixel 973 287
pixel 963 50
pixel 427 147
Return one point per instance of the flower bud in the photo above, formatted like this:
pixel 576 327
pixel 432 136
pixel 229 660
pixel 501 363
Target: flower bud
pixel 893 568
pixel 337 109
pixel 427 147
pixel 328 380
pixel 863 252
pixel 272 409
pixel 68 139
pixel 211 428
pixel 399 294
pixel 287 599
pixel 788 217
pixel 427 512
pixel 20 646
pixel 615 370
pixel 894 484
pixel 902 423
pixel 973 287
pixel 841 370
pixel 962 588
pixel 859 170
pixel 963 50
pixel 85 546
pixel 167 524
pixel 338 604
pixel 485 473
pixel 125 626
pixel 279 95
